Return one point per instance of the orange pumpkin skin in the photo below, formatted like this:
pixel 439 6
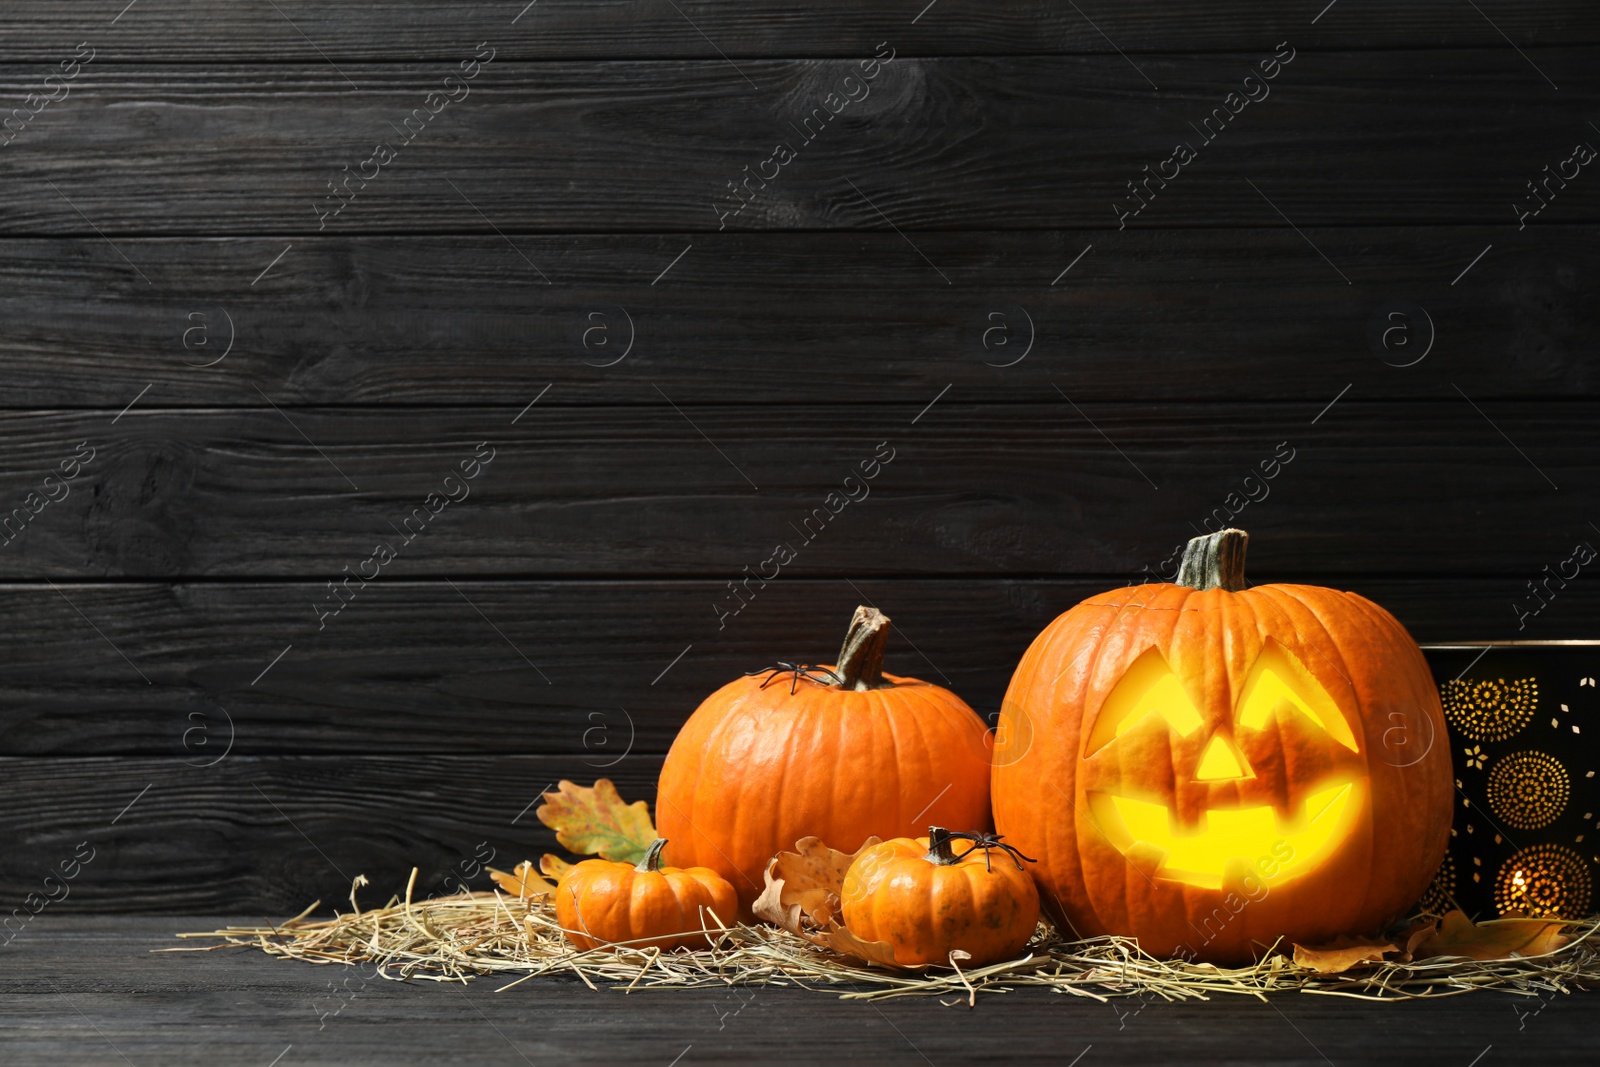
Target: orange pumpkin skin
pixel 1236 750
pixel 602 902
pixel 924 910
pixel 755 769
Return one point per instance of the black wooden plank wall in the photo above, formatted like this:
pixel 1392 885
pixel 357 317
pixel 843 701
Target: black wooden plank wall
pixel 581 345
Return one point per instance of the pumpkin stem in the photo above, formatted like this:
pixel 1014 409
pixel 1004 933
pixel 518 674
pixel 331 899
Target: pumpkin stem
pixel 940 854
pixel 652 856
pixel 1214 561
pixel 860 665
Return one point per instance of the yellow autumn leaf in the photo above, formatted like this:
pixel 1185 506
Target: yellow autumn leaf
pixel 523 882
pixel 554 867
pixel 593 820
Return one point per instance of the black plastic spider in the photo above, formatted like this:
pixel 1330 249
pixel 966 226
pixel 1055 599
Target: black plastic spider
pixel 810 671
pixel 986 842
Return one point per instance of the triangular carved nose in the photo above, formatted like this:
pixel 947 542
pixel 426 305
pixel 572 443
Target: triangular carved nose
pixel 1220 762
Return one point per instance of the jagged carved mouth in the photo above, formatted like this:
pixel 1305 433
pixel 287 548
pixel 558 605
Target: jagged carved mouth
pixel 1228 845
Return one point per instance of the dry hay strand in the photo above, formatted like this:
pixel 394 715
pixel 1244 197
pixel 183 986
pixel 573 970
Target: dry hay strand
pixel 455 938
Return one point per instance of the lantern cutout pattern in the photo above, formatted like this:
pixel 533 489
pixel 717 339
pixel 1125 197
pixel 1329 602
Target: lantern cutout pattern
pixel 1509 787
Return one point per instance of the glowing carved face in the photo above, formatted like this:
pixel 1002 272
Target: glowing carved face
pixel 1245 827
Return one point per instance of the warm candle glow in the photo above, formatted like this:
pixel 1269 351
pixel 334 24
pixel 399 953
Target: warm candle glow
pixel 1228 845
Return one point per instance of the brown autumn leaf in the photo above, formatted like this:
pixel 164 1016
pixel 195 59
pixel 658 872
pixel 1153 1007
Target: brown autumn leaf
pixel 802 896
pixel 1414 935
pixel 842 940
pixel 1497 939
pixel 1341 955
pixel 813 876
pixel 523 882
pixel 593 820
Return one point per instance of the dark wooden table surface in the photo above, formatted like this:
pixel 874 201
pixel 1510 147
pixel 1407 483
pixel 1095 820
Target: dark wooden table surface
pixel 87 990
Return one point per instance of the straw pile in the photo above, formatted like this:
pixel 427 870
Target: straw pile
pixel 455 938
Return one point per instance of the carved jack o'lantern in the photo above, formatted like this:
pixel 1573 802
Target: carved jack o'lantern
pixel 1208 767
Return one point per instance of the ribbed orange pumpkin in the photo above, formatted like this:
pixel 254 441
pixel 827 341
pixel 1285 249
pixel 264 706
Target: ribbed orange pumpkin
pixel 1206 766
pixel 842 753
pixel 646 905
pixel 925 900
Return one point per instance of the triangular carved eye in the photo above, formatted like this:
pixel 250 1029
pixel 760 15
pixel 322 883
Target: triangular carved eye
pixel 1278 685
pixel 1148 687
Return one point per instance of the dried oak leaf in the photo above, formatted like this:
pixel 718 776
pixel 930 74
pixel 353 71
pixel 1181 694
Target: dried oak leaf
pixel 1497 939
pixel 523 882
pixel 802 896
pixel 812 876
pixel 593 820
pixel 1341 955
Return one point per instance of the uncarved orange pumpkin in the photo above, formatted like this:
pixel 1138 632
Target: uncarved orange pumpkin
pixel 842 753
pixel 1208 766
pixel 643 905
pixel 927 900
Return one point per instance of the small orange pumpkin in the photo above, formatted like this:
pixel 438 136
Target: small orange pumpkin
pixel 926 901
pixel 843 753
pixel 646 905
